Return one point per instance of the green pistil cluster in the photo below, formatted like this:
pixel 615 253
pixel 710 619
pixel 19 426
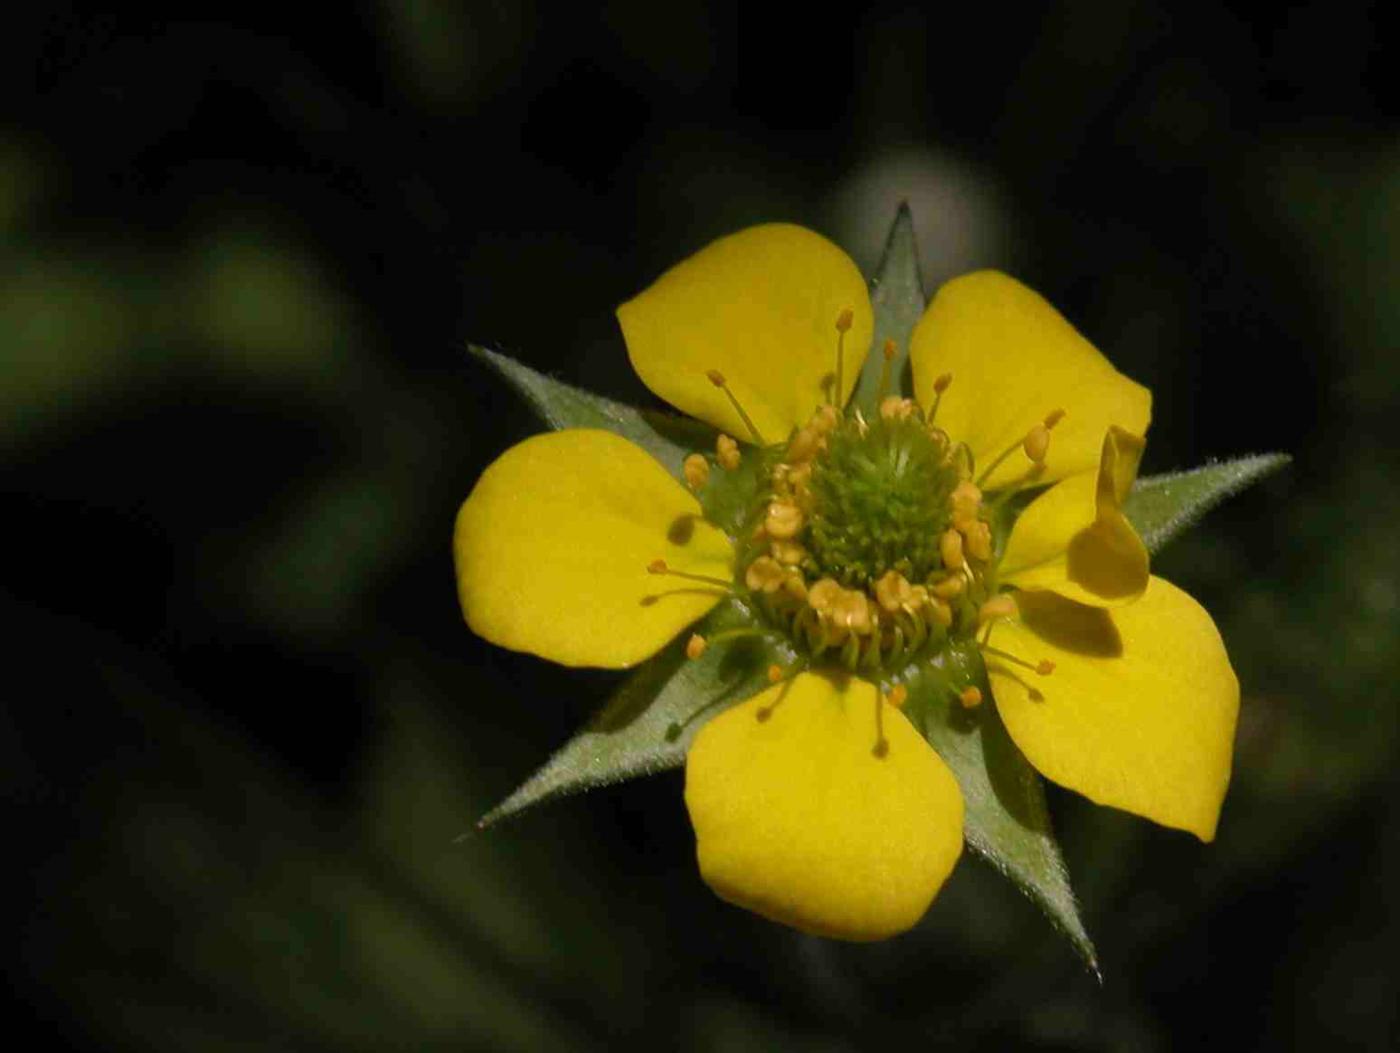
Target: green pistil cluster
pixel 879 501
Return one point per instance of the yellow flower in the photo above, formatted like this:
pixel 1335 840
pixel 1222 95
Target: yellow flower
pixel 871 545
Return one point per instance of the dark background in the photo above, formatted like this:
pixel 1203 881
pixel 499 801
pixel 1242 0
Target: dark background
pixel 245 723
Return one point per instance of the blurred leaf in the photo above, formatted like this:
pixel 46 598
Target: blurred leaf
pixel 265 309
pixel 897 295
pixel 1005 820
pixel 649 723
pixel 668 437
pixel 1162 506
pixel 66 330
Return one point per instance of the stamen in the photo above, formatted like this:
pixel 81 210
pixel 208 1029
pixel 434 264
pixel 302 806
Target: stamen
pixel 942 612
pixel 775 673
pixel 765 574
pixel 1034 444
pixel 1044 667
pixel 717 379
pixel 882 744
pixel 697 471
pixel 892 407
pixel 950 587
pixel 978 539
pixel 727 452
pixel 695 646
pixel 784 520
pixel 889 350
pixel 999 606
pixel 764 712
pixel 940 385
pixel 851 611
pixel 804 445
pixel 965 501
pixel 822 595
pixel 950 548
pixel 893 591
pixel 970 697
pixel 789 553
pixel 660 566
pixel 825 420
pixel 843 325
pixel 898 695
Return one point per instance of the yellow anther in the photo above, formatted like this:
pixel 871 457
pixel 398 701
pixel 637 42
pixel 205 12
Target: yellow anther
pixel 844 320
pixel 979 540
pixel 822 595
pixel 895 408
pixel 775 673
pixel 697 471
pixel 950 548
pixel 897 696
pixel 795 586
pixel 695 646
pixel 950 587
pixel 999 606
pixel 825 420
pixel 965 502
pixel 716 377
pixel 970 698
pixel 918 598
pixel 765 574
pixel 850 610
pixel 798 476
pixel 893 591
pixel 789 553
pixel 727 452
pixel 941 383
pixel 784 520
pixel 888 351
pixel 1037 443
pixel 1045 667
pixel 940 440
pixel 657 566
pixel 942 612
pixel 804 445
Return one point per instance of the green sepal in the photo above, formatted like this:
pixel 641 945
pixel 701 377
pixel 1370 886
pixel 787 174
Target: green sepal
pixel 1005 819
pixel 897 297
pixel 1162 506
pixel 669 437
pixel 650 721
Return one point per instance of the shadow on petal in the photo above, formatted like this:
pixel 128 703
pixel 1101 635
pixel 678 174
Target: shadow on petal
pixel 1070 626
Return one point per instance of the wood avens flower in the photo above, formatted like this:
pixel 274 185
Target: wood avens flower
pixel 875 551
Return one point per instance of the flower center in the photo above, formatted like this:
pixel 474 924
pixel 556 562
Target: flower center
pixel 870 544
pixel 878 501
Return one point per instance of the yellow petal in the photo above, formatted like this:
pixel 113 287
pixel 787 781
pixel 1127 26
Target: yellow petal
pixel 761 307
pixel 553 543
pixel 798 819
pixel 1014 359
pixel 1139 712
pixel 1075 540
